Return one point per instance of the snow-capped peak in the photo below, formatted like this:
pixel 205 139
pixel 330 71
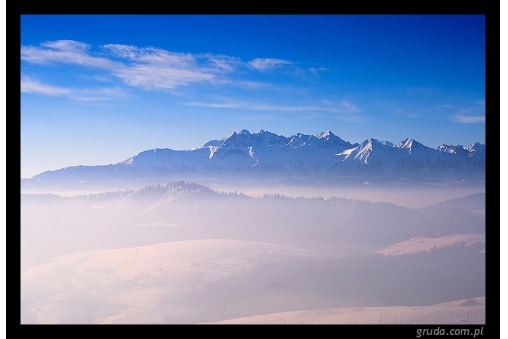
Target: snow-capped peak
pixel 459 149
pixel 409 143
pixel 324 134
pixel 230 135
pixel 245 139
pixel 475 146
pixel 475 151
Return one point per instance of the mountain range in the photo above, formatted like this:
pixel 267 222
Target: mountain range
pixel 268 155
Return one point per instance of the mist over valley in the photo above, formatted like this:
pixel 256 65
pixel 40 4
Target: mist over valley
pixel 269 253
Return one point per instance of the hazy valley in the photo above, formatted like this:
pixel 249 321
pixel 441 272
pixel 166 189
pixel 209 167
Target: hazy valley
pixel 184 253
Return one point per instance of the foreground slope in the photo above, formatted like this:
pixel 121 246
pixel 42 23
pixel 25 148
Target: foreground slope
pixel 135 285
pixel 467 311
pixel 219 279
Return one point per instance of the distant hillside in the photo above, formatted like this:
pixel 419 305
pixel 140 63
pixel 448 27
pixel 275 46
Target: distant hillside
pixel 183 211
pixel 473 202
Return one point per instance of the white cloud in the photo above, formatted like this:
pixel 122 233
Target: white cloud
pixel 160 78
pixel 31 86
pixel 153 56
pixel 64 51
pixel 95 94
pixel 468 119
pixel 265 64
pixel 158 69
pixel 223 63
pixel 149 68
pixel 345 107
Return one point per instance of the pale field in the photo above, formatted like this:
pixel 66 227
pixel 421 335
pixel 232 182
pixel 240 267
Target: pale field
pixel 417 244
pixel 129 285
pixel 126 285
pixel 470 311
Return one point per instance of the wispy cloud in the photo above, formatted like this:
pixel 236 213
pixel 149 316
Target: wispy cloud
pixel 158 69
pixel 249 84
pixel 266 64
pixel 207 64
pixel 64 51
pixel 471 114
pixel 224 63
pixel 31 86
pixel 96 94
pixel 153 68
pixel 149 68
pixel 344 107
pixel 468 119
pixel 316 70
pixel 160 78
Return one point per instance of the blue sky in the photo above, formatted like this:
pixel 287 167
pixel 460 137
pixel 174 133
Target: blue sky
pixel 99 89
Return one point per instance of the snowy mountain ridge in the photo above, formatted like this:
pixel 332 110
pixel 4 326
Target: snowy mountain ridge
pixel 267 154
